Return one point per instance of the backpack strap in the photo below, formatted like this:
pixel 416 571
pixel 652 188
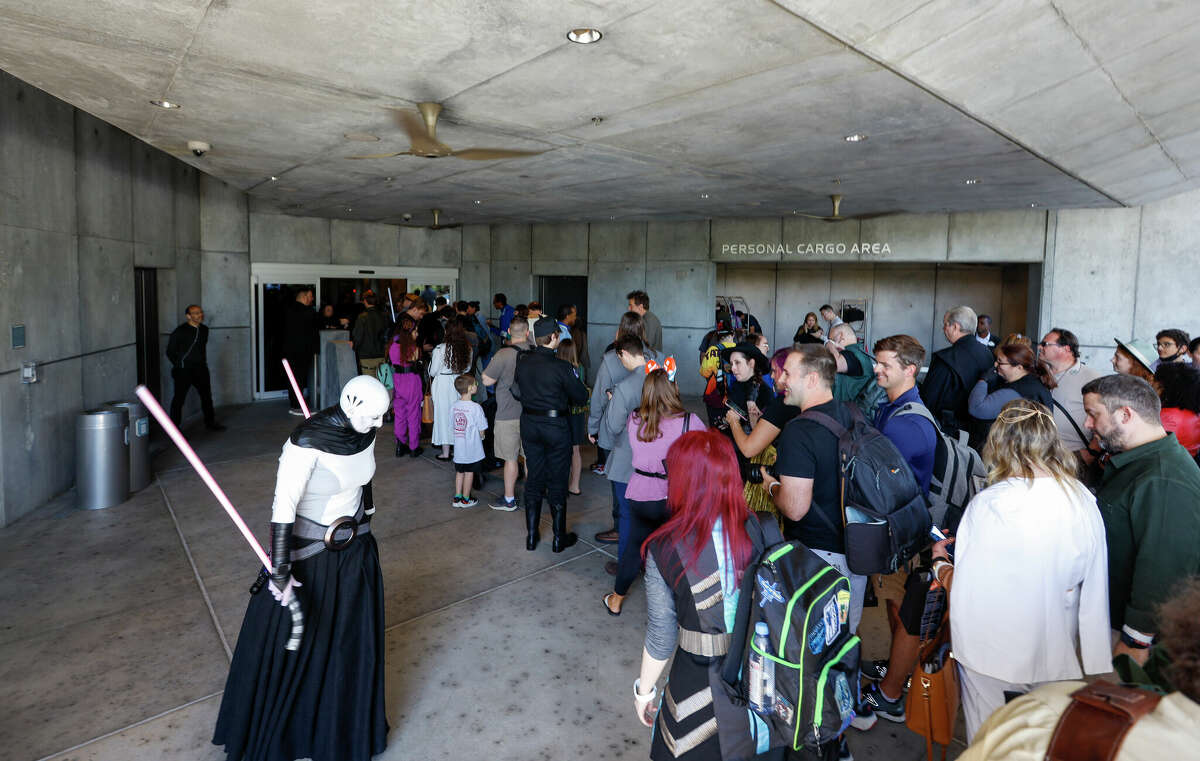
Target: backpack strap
pixel 826 422
pixel 912 408
pixel 838 430
pixel 764 533
pixel 1097 720
pixel 1082 436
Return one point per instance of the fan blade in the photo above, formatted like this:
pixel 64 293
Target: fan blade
pixel 381 155
pixel 487 154
pixel 823 219
pixel 419 138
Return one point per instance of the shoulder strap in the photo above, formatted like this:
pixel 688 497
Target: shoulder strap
pixel 687 421
pixel 912 408
pixel 825 421
pixel 760 527
pixel 1097 720
pixel 1082 436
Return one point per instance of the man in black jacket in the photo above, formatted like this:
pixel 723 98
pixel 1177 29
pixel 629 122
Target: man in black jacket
pixel 547 387
pixel 955 370
pixel 187 350
pixel 300 342
pixel 369 335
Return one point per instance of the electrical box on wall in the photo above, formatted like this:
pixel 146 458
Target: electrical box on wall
pixel 29 372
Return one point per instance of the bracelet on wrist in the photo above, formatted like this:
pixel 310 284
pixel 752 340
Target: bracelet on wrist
pixel 638 696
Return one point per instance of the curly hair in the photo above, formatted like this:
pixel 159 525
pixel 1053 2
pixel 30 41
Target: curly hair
pixel 1179 385
pixel 458 348
pixel 1178 635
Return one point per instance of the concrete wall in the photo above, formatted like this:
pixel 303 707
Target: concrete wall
pixel 81 205
pixel 1123 273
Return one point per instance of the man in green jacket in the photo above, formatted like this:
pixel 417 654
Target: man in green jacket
pixel 1150 501
pixel 855 381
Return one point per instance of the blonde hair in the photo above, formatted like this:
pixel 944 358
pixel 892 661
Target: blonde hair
pixel 1024 440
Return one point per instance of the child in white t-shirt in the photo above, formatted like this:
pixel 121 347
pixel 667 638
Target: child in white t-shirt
pixel 469 425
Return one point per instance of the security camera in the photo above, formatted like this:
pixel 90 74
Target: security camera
pixel 198 147
pixel 406 217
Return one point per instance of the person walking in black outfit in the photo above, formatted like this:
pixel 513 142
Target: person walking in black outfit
pixel 547 387
pixel 187 350
pixel 955 370
pixel 299 342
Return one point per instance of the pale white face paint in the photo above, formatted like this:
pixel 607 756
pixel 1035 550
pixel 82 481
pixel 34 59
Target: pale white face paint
pixel 364 400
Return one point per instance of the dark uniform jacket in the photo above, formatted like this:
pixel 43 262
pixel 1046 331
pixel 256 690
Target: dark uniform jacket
pixel 187 346
pixel 952 374
pixel 543 382
pixel 370 332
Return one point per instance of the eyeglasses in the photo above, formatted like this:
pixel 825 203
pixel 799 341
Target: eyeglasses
pixel 1044 344
pixel 1165 344
pixel 998 363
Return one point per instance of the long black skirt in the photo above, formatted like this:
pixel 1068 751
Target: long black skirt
pixel 324 701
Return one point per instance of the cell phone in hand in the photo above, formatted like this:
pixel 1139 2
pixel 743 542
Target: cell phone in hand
pixel 738 411
pixel 937 534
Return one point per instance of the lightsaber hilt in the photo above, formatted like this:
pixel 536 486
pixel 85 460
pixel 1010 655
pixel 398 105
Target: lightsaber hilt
pixel 287 368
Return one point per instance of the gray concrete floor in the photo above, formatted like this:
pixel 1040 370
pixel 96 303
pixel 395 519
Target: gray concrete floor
pixel 117 625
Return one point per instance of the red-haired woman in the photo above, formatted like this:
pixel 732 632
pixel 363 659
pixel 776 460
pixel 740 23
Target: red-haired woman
pixel 407 394
pixel 694 565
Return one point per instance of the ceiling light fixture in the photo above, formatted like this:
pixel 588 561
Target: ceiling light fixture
pixel 857 137
pixel 1033 205
pixel 478 202
pixel 972 181
pixel 165 104
pixel 274 178
pixel 584 35
pixel 704 195
pixel 388 179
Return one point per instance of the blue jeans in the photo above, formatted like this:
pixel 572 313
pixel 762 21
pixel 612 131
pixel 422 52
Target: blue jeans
pixel 624 516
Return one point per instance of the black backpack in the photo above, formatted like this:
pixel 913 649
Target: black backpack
pixel 805 603
pixel 885 514
pixel 958 473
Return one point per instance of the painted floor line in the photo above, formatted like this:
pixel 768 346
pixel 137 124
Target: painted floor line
pixel 195 572
pixel 134 725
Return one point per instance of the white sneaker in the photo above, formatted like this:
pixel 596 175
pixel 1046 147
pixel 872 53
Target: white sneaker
pixel 467 502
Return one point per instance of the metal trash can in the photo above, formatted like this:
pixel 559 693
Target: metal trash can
pixel 102 458
pixel 139 443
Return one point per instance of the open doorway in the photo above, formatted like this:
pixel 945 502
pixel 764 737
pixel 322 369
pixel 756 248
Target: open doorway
pixel 556 290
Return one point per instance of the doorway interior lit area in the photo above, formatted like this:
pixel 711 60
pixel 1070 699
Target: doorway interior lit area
pixel 759 182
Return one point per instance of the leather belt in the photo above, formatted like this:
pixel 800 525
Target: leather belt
pixel 545 413
pixel 336 536
pixel 704 645
pixel 649 474
pixel 402 369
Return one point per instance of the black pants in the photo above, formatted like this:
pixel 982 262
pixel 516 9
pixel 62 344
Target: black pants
pixel 185 379
pixel 645 517
pixel 547 444
pixel 301 364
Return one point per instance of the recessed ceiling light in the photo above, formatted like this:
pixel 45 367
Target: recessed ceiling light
pixel 478 202
pixel 349 209
pixel 971 181
pixel 165 104
pixel 857 137
pixel 704 195
pixel 274 178
pixel 361 137
pixel 1033 205
pixel 388 179
pixel 584 35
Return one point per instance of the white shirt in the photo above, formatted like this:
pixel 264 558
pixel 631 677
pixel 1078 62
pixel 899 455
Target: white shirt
pixel 320 486
pixel 469 423
pixel 1031 583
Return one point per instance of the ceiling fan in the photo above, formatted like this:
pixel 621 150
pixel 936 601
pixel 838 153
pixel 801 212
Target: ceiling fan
pixel 837 216
pixel 423 141
pixel 437 225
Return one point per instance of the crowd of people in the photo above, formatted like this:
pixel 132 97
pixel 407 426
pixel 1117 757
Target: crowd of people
pixel 1077 551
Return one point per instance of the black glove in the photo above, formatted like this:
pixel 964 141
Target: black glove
pixel 281 554
pixel 368 501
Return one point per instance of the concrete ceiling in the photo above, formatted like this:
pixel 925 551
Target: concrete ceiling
pixel 708 108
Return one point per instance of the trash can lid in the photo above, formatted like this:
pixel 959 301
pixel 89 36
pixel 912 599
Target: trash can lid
pixel 103 418
pixel 136 409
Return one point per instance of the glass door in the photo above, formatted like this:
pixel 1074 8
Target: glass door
pixel 274 286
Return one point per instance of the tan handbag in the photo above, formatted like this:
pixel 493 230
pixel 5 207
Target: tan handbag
pixel 427 409
pixel 931 707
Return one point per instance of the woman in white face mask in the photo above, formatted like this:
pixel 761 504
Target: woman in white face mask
pixel 323 698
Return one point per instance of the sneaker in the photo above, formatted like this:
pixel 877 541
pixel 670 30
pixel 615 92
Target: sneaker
pixel 467 502
pixel 875 670
pixel 598 469
pixel 892 710
pixel 844 753
pixel 507 505
pixel 457 501
pixel 864 717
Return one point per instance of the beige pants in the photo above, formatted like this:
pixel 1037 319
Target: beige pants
pixel 369 366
